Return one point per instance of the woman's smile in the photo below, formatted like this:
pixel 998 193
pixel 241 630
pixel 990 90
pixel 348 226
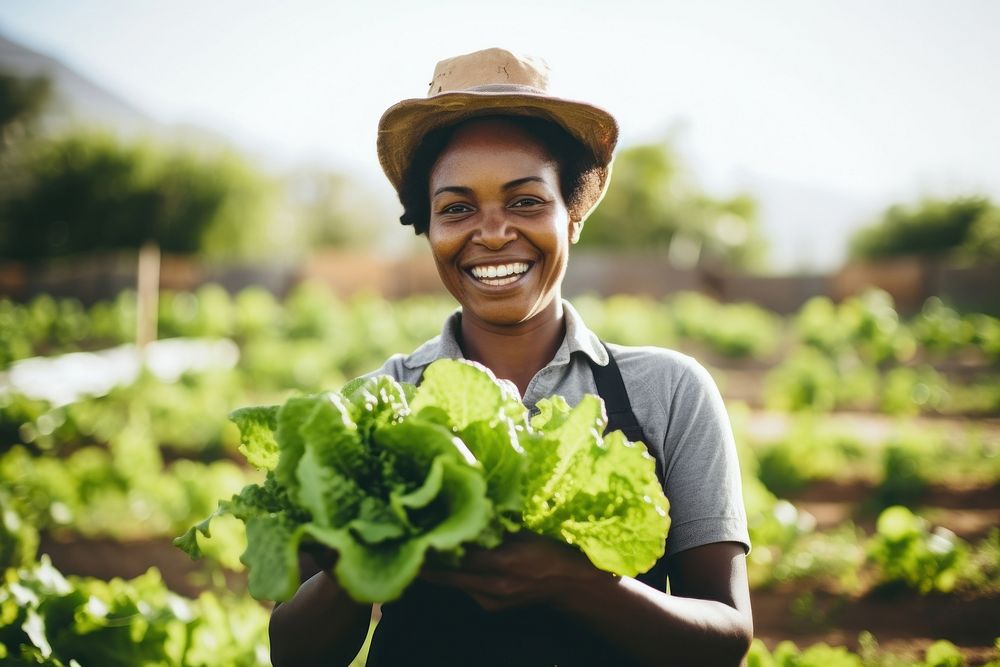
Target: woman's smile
pixel 500 274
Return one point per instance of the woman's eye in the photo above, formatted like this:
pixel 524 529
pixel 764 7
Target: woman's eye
pixel 455 209
pixel 527 201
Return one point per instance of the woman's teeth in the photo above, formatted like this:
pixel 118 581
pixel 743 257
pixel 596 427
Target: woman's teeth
pixel 499 274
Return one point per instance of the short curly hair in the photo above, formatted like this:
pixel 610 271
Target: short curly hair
pixel 580 172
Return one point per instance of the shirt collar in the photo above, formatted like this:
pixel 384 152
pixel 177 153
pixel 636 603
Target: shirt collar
pixel 578 339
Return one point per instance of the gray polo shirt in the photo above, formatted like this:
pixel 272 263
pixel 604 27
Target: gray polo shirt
pixel 675 401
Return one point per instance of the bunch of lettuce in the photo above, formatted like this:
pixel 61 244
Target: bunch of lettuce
pixel 383 472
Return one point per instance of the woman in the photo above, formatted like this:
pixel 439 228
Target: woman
pixel 500 176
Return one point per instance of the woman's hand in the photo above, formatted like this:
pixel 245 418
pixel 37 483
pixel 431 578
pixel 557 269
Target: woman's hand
pixel 315 557
pixel 525 569
pixel 321 624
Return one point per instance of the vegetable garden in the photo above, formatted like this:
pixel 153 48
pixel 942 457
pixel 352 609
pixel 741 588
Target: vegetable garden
pixel 870 449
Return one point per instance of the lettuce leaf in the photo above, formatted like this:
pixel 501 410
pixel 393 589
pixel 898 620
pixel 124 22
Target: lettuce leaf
pixel 272 556
pixel 467 392
pixel 600 494
pixel 257 441
pixel 291 446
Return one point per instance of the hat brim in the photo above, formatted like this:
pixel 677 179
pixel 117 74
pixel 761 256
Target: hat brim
pixel 404 125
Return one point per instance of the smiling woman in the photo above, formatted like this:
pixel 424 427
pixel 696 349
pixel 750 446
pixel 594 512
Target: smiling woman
pixel 501 176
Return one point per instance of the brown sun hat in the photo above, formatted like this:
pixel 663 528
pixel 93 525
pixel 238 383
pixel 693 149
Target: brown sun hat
pixel 487 83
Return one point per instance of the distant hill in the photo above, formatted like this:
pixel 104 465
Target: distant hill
pixel 807 226
pixel 78 100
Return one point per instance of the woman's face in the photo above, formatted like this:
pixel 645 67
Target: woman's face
pixel 499 229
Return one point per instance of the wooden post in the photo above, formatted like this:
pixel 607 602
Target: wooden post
pixel 148 292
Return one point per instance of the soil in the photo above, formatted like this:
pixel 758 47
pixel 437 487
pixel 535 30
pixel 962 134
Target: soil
pixel 904 624
pixel 872 427
pixel 106 558
pixel 969 512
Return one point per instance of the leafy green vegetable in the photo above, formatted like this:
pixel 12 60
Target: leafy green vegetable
pixel 386 474
pixel 257 442
pixel 907 551
pixel 599 494
pixel 49 619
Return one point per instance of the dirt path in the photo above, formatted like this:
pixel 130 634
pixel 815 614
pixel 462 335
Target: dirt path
pixel 765 425
pixel 968 512
pixel 106 558
pixel 904 625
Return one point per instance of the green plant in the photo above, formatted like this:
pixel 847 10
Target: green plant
pixel 943 653
pixel 18 538
pixel 813 448
pixel 655 205
pixel 806 380
pixel 908 552
pixel 903 479
pixel 940 329
pixel 867 324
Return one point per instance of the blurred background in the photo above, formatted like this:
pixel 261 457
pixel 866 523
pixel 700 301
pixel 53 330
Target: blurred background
pixel 806 197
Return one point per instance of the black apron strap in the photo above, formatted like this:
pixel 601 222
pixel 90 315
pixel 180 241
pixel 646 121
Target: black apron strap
pixel 611 389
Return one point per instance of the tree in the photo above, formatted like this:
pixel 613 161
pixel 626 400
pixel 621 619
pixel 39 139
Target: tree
pixel 964 227
pixel 21 101
pixel 652 203
pixel 88 192
pixel 983 240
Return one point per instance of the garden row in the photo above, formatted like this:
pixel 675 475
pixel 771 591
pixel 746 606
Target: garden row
pixel 66 621
pixel 857 355
pixel 867 324
pixel 123 489
pixel 93 464
pixel 131 467
pixel 124 471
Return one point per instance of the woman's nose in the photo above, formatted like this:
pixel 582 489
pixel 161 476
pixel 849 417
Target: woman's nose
pixel 495 231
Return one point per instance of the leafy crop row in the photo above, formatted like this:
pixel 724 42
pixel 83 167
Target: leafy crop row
pixel 941 653
pixel 100 493
pixel 899 466
pixel 55 621
pixel 905 552
pixel 361 331
pixel 808 379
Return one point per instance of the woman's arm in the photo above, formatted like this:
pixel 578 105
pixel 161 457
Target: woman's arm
pixel 705 621
pixel 320 625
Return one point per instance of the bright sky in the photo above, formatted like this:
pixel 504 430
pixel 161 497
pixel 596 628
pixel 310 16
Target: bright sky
pixel 879 101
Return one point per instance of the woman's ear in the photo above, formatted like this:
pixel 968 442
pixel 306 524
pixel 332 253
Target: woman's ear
pixel 575 227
